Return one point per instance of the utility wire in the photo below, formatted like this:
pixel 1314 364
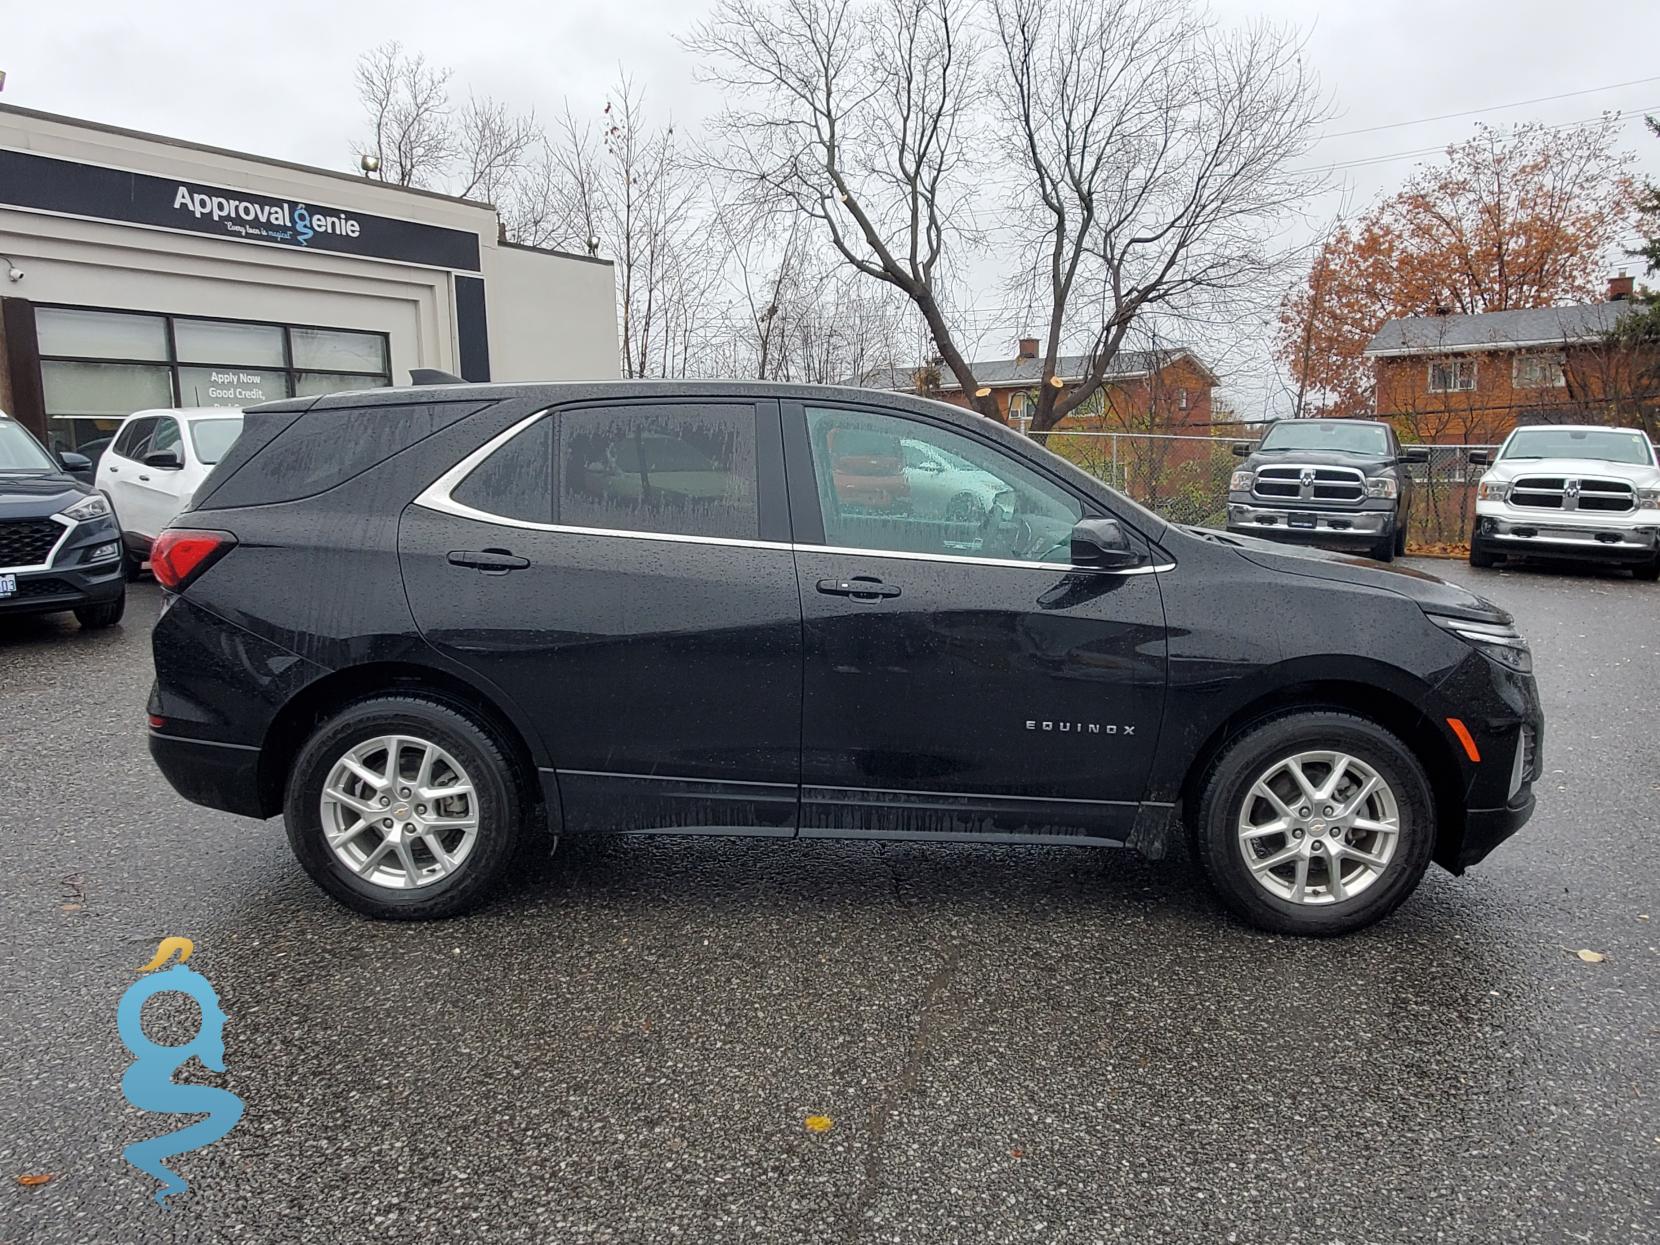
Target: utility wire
pixel 1472 112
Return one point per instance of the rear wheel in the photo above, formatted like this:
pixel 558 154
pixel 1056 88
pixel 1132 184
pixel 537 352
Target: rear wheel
pixel 1317 822
pixel 404 808
pixel 97 617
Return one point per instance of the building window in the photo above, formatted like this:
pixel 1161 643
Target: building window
pixel 1017 407
pixel 1181 398
pixel 97 367
pixel 1452 374
pixel 1538 371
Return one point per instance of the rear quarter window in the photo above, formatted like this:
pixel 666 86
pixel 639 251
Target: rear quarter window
pixel 515 482
pixel 323 449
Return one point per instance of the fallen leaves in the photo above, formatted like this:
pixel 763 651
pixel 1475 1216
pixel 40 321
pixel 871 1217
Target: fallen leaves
pixel 74 897
pixel 34 1180
pixel 1591 957
pixel 819 1123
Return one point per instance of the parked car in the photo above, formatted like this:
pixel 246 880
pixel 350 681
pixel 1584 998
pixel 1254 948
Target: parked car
pixel 1566 491
pixel 395 618
pixel 946 487
pixel 60 548
pixel 1340 483
pixel 155 464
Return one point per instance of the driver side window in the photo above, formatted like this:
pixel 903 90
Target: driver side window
pixel 889 483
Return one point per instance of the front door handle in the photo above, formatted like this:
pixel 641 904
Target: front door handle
pixel 146 479
pixel 490 561
pixel 859 587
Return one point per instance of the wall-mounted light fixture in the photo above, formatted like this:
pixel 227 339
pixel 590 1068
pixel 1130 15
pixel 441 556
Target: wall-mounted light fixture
pixel 14 274
pixel 369 163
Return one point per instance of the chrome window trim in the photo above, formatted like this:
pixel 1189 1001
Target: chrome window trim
pixel 69 525
pixel 436 496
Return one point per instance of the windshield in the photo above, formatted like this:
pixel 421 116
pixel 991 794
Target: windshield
pixel 1609 445
pixel 1344 436
pixel 21 452
pixel 214 437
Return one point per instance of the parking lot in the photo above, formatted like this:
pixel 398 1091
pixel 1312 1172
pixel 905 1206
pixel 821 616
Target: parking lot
pixel 1018 1044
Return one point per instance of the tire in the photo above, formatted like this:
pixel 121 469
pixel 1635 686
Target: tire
pixel 1480 555
pixel 497 808
pixel 97 617
pixel 1384 550
pixel 131 568
pixel 1648 572
pixel 1400 539
pixel 1367 893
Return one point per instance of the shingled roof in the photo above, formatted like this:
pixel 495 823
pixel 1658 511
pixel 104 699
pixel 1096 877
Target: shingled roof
pixel 1498 330
pixel 1022 372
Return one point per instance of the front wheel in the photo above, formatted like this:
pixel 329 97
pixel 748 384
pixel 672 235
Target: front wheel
pixel 1649 571
pixel 107 614
pixel 1480 556
pixel 1316 822
pixel 404 808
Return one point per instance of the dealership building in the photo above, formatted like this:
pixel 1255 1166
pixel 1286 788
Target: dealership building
pixel 139 271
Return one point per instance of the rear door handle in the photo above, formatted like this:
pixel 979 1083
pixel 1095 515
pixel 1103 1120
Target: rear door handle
pixel 859 587
pixel 490 561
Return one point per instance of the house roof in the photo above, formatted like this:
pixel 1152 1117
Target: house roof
pixel 1020 373
pixel 1498 330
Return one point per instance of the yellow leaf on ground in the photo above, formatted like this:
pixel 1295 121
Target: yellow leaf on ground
pixel 819 1123
pixel 35 1180
pixel 1591 957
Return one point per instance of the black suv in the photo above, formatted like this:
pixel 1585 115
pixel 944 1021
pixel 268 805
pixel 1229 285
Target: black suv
pixel 60 548
pixel 429 625
pixel 1336 482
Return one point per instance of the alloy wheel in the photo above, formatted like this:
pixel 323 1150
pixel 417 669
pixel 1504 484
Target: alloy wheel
pixel 1318 827
pixel 400 812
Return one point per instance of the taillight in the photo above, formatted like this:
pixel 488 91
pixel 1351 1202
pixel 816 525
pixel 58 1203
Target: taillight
pixel 180 554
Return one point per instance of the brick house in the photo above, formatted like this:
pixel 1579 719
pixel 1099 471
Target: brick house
pixel 1470 379
pixel 1145 391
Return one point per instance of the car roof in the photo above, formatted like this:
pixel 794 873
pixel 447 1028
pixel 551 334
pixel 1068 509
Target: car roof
pixel 1574 428
pixel 189 412
pixel 1366 423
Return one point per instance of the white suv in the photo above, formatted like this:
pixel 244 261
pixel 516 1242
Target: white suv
pixel 1570 491
pixel 155 464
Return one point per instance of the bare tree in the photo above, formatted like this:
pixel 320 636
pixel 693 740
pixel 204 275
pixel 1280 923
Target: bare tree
pixel 419 139
pixel 1149 154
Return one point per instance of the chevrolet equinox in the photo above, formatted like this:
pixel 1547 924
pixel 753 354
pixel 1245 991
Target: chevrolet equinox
pixel 431 626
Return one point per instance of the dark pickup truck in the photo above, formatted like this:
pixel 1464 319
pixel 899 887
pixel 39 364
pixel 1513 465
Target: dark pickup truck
pixel 1335 482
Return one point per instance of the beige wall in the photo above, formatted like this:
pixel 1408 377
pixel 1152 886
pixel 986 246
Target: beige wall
pixel 550 316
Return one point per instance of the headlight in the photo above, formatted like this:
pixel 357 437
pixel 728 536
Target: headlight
pixel 1490 490
pixel 87 508
pixel 1382 486
pixel 1241 481
pixel 1648 499
pixel 1499 642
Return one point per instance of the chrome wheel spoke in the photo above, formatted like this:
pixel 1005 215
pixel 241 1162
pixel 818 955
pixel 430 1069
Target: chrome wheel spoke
pixel 1357 831
pixel 416 794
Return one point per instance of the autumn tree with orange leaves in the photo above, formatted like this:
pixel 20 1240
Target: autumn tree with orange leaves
pixel 1505 221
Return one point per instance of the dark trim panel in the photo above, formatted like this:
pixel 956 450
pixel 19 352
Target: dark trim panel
pixel 858 813
pixel 472 329
pixel 601 803
pixel 23 366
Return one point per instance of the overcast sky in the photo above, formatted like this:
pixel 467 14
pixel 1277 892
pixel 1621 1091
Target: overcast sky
pixel 276 79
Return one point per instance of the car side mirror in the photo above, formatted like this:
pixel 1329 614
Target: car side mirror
pixel 1101 544
pixel 1241 449
pixel 1415 454
pixel 165 460
pixel 1480 458
pixel 73 462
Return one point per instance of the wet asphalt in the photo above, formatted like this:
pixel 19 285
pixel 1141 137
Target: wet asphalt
pixel 1011 1044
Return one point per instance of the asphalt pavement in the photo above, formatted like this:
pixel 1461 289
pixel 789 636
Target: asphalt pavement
pixel 1010 1044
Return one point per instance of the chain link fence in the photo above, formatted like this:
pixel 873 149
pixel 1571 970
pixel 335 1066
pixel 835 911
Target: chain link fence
pixel 1185 479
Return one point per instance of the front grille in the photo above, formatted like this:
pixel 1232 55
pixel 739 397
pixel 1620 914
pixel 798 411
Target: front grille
pixel 42 588
pixel 27 542
pixel 1284 482
pixel 1568 493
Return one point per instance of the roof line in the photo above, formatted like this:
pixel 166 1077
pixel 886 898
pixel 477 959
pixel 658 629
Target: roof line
pixel 357 179
pixel 1474 347
pixel 552 250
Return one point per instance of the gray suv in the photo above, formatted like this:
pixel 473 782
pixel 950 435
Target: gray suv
pixel 1342 483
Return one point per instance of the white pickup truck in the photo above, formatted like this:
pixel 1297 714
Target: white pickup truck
pixel 1570 491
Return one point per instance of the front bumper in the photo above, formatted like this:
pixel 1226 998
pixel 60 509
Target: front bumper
pixel 54 591
pixel 1504 529
pixel 1275 522
pixel 1494 797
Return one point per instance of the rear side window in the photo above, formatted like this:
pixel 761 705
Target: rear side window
pixel 326 447
pixel 516 481
pixel 131 442
pixel 683 469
